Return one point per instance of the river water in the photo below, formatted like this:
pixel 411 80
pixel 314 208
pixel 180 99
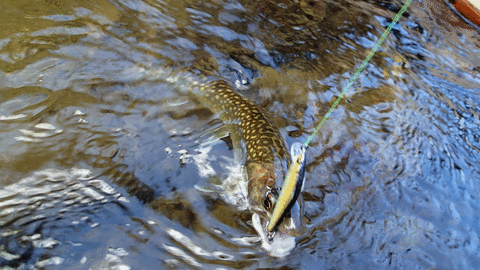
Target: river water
pixel 104 165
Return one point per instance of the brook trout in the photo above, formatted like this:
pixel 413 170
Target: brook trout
pixel 266 158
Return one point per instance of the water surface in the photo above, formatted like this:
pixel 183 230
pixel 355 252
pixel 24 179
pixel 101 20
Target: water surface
pixel 105 165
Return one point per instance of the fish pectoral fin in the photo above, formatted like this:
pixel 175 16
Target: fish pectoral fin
pixel 213 135
pixel 234 131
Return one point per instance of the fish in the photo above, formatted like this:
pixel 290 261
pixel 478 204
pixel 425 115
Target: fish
pixel 266 161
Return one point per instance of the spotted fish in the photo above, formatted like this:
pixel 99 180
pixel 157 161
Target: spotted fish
pixel 266 154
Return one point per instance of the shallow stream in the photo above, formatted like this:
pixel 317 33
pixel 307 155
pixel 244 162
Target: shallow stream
pixel 106 166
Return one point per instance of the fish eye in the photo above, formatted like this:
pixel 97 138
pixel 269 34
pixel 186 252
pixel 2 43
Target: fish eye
pixel 267 204
pixel 270 199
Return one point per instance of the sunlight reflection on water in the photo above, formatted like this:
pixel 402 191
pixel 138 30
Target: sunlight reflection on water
pixel 106 165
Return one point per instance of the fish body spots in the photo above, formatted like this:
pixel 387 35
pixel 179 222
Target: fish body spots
pixel 263 141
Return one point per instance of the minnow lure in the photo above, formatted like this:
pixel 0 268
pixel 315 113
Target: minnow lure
pixel 292 186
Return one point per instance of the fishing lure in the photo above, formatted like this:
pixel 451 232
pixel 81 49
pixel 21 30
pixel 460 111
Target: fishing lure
pixel 292 186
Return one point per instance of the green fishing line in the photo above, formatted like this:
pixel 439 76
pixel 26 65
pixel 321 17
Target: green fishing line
pixel 369 56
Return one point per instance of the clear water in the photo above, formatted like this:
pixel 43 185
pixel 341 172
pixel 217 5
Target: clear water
pixel 100 158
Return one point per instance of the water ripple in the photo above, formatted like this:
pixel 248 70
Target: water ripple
pixel 391 178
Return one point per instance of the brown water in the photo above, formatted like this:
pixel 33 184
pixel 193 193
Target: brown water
pixel 104 165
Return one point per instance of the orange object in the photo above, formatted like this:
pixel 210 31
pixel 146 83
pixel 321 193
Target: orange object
pixel 468 8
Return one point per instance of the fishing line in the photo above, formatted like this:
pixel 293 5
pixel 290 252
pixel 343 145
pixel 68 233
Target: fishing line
pixel 296 171
pixel 369 56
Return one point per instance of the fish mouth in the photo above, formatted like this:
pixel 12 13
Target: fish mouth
pixel 276 244
pixel 280 242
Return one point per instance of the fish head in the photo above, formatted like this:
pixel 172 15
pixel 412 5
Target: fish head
pixel 264 183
